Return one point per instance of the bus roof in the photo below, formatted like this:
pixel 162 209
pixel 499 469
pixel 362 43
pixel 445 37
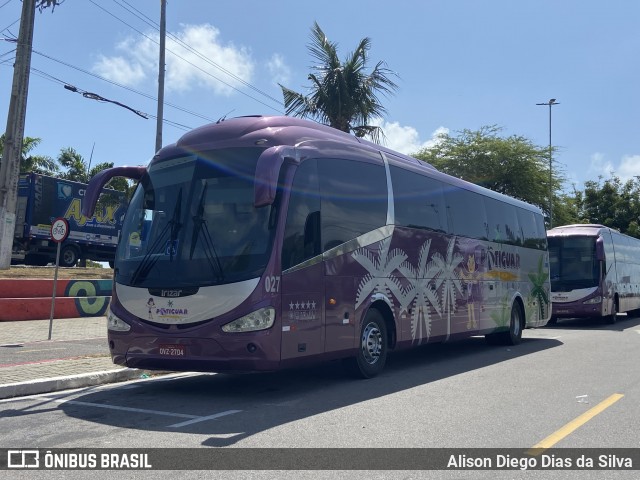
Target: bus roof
pixel 268 131
pixel 582 229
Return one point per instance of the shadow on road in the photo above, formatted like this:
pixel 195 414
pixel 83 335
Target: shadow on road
pixel 269 400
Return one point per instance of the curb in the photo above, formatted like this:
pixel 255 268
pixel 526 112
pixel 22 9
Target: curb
pixel 54 384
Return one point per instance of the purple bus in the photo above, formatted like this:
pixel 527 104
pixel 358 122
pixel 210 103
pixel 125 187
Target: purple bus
pixel 595 272
pixel 259 243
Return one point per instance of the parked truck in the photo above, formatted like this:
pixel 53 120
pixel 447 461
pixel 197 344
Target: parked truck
pixel 42 199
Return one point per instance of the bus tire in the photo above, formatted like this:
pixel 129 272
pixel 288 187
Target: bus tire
pixel 69 256
pixel 611 319
pixel 514 335
pixel 372 347
pixel 552 321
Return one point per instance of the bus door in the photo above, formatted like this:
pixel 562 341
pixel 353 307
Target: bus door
pixel 302 312
pixel 302 268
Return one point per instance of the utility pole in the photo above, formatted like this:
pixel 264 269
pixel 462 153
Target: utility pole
pixel 10 166
pixel 161 68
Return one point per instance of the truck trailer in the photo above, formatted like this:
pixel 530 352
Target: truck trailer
pixel 42 199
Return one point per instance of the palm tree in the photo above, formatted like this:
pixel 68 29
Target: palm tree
pixel 538 280
pixel 380 268
pixel 421 293
pixel 77 170
pixel 41 164
pixel 448 278
pixel 342 95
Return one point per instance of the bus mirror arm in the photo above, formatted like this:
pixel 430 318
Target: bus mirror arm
pixel 100 180
pixel 268 171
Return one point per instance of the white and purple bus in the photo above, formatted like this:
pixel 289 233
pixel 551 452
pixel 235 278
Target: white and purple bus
pixel 595 272
pixel 259 243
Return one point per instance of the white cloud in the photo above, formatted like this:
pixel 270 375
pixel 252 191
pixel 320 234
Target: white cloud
pixel 186 68
pixel 627 168
pixel 280 71
pixel 119 70
pixel 406 139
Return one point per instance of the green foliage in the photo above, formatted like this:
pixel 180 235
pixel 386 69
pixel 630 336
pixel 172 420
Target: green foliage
pixel 342 95
pixel 69 165
pixel 611 203
pixel 41 164
pixel 511 165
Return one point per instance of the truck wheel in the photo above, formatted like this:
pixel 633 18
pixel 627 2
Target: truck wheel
pixel 69 256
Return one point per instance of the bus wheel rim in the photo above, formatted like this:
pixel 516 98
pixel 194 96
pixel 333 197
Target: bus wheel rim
pixel 371 343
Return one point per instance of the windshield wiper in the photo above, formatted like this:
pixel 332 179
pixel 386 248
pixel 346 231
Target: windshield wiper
pixel 147 263
pixel 209 247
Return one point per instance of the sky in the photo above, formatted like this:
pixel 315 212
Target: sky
pixel 459 64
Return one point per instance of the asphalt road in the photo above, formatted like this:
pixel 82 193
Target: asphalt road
pixel 465 394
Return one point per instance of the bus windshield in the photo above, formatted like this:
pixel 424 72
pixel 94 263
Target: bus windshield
pixel 573 263
pixel 192 222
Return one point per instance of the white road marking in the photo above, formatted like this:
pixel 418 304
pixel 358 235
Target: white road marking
pixel 204 419
pixel 192 418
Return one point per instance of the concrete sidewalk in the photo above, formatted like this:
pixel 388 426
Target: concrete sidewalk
pixel 76 356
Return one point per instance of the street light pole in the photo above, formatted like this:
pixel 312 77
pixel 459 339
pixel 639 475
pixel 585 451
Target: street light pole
pixel 550 103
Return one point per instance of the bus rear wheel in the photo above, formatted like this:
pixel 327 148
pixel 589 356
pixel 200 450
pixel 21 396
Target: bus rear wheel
pixel 372 347
pixel 514 335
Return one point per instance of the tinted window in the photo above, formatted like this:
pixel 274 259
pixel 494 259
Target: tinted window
pixel 503 222
pixel 533 232
pixel 354 199
pixel 466 213
pixel 302 231
pixel 418 200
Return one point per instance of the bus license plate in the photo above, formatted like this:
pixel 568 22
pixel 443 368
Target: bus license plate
pixel 172 350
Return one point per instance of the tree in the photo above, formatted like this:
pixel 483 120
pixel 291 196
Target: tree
pixel 513 165
pixel 342 95
pixel 612 203
pixel 77 170
pixel 41 164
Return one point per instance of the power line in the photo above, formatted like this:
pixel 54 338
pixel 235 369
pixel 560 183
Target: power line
pixel 193 50
pixel 185 60
pixel 94 96
pixel 9 26
pixel 146 95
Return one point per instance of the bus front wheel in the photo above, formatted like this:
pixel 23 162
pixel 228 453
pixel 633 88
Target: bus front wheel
pixel 372 347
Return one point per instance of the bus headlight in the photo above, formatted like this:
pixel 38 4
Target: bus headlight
pixel 258 320
pixel 593 300
pixel 115 324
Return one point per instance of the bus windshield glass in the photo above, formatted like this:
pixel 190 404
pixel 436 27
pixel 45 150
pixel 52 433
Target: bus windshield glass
pixel 573 263
pixel 192 222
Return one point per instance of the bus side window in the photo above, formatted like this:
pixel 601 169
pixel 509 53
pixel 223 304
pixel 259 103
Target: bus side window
pixel 354 199
pixel 302 233
pixel 312 235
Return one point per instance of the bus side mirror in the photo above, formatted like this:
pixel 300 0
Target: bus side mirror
pixel 268 171
pixel 100 180
pixel 600 249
